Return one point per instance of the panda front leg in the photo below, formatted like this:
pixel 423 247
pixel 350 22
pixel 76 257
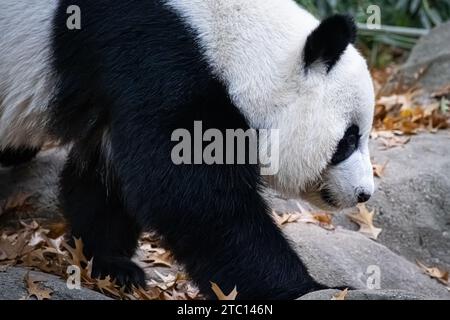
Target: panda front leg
pixel 92 205
pixel 212 218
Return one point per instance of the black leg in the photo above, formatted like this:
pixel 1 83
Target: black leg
pixel 10 157
pixel 212 218
pixel 97 216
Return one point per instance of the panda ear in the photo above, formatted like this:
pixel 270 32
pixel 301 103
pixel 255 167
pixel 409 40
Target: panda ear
pixel 329 40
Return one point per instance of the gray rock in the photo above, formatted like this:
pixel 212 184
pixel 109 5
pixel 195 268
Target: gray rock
pixel 412 201
pixel 428 63
pixel 343 258
pixel 38 180
pixel 365 295
pixel 12 286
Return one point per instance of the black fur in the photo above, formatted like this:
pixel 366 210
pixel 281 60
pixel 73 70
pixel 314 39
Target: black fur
pixel 10 157
pixel 329 40
pixel 347 146
pixel 135 71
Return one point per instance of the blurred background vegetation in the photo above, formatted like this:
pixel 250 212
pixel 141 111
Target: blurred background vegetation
pixel 403 22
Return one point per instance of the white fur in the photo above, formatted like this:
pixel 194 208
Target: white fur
pixel 26 86
pixel 255 47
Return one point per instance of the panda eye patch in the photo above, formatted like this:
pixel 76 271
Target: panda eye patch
pixel 347 145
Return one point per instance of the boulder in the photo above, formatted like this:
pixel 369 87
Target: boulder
pixel 365 295
pixel 12 286
pixel 411 202
pixel 427 65
pixel 29 192
pixel 343 258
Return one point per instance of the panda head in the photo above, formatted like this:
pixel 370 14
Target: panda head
pixel 325 127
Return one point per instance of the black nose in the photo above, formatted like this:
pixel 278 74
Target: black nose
pixel 363 197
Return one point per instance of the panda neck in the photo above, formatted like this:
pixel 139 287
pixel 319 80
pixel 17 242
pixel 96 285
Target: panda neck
pixel 253 46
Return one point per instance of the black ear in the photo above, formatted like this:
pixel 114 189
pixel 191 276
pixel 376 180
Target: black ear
pixel 329 40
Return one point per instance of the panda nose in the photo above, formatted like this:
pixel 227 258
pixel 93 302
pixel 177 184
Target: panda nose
pixel 363 197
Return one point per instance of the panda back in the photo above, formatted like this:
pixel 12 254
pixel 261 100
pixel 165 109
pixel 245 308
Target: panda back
pixel 26 83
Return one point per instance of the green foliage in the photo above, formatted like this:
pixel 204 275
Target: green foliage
pixel 407 14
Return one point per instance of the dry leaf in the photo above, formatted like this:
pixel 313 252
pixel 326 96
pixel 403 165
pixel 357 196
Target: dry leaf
pixel 13 249
pixel 394 142
pixel 221 296
pixel 364 218
pixel 19 202
pixel 77 255
pixel 393 101
pixel 35 290
pixel 106 285
pixel 285 218
pixel 151 294
pixel 32 247
pixel 436 273
pixel 56 230
pixel 341 295
pixel 378 169
pixel 324 220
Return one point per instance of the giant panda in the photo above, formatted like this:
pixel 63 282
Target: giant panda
pixel 116 89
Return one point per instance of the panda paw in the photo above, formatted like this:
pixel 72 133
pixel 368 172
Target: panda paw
pixel 121 269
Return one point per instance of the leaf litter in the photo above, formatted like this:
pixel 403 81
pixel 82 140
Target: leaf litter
pixel 47 250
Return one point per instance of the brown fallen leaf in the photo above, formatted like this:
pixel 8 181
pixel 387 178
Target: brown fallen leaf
pixel 285 218
pixel 151 294
pixel 394 101
pixel 436 273
pixel 106 285
pixel 364 218
pixel 13 249
pixel 340 295
pixel 77 255
pixel 394 142
pixel 378 169
pixel 35 290
pixel 56 230
pixel 324 220
pixel 221 296
pixel 19 202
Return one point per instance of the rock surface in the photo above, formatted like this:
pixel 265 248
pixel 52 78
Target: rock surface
pixel 412 201
pixel 343 258
pixel 428 63
pixel 37 182
pixel 365 295
pixel 12 286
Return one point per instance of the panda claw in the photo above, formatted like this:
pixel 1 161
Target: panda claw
pixel 123 271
